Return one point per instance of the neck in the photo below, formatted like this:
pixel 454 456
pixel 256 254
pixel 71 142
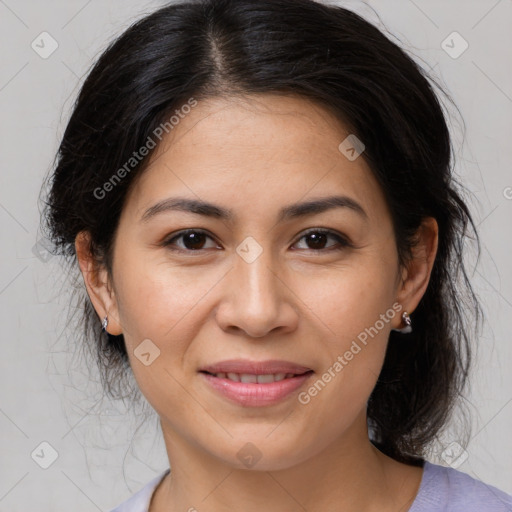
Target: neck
pixel 349 474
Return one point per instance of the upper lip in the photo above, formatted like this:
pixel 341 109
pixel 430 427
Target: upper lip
pixel 255 367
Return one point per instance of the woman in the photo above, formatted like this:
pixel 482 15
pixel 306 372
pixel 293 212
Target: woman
pixel 260 201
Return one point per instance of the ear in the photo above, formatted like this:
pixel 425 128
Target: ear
pixel 416 275
pixel 96 281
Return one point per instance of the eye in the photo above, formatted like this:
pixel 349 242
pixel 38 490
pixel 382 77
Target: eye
pixel 193 240
pixel 317 238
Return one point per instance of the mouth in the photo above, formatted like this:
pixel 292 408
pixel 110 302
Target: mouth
pixel 255 384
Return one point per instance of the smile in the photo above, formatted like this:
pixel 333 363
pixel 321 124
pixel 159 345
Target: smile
pixel 251 390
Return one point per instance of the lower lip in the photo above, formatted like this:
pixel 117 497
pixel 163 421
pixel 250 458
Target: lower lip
pixel 254 394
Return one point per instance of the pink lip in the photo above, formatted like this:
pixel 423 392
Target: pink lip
pixel 254 394
pixel 255 367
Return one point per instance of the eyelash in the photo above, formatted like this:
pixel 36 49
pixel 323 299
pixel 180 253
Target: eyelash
pixel 342 241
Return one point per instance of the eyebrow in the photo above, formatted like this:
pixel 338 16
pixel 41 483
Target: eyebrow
pixel 289 212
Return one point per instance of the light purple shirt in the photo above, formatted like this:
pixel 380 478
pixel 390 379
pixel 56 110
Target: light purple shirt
pixel 442 489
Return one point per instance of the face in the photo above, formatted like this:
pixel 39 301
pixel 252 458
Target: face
pixel 257 279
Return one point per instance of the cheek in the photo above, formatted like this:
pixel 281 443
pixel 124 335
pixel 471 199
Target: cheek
pixel 353 307
pixel 350 299
pixel 163 305
pixel 159 300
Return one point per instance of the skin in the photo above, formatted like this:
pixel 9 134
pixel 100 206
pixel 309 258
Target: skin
pixel 255 155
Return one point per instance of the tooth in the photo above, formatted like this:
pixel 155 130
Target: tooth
pixel 265 379
pixel 253 379
pixel 246 377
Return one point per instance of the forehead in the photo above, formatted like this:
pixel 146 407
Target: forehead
pixel 276 127
pixel 272 149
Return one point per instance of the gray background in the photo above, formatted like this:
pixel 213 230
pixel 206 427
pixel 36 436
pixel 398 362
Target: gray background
pixel 48 393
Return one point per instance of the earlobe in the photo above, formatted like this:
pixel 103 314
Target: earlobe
pixel 419 268
pixel 97 283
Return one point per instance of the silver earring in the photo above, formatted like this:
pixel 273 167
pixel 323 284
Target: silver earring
pixel 408 324
pixel 104 324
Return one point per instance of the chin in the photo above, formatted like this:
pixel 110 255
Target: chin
pixel 260 453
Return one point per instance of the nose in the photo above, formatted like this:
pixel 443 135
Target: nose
pixel 256 298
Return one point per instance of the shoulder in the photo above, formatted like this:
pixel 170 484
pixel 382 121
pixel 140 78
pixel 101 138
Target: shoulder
pixel 447 489
pixel 139 502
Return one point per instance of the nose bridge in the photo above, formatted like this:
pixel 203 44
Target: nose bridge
pixel 254 299
pixel 256 275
